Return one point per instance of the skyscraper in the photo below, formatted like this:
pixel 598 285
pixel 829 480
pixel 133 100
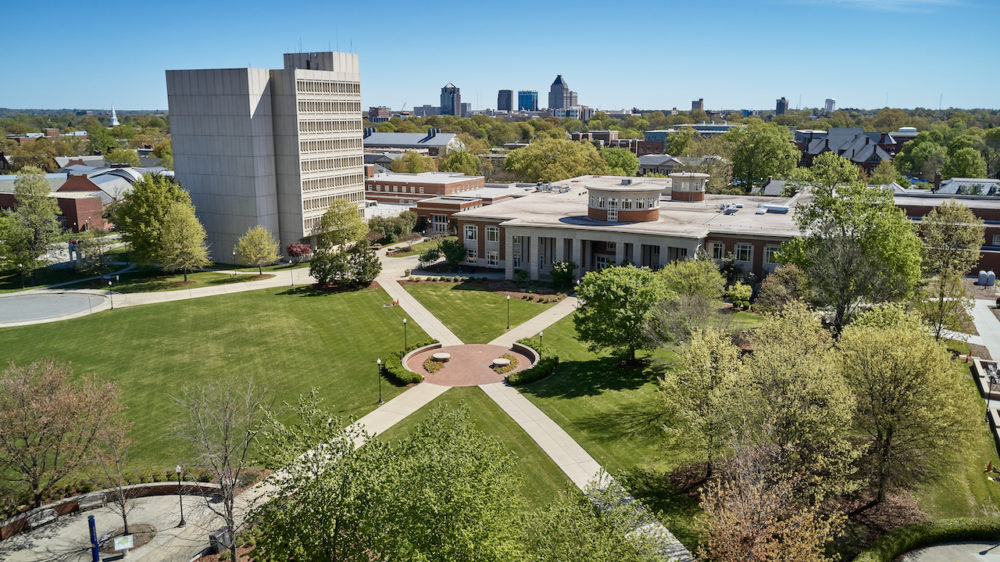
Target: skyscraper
pixel 527 100
pixel 698 104
pixel 830 105
pixel 451 100
pixel 560 96
pixel 268 147
pixel 781 106
pixel 505 100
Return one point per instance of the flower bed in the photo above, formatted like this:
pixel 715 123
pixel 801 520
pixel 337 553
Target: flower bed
pixel 502 369
pixel 432 365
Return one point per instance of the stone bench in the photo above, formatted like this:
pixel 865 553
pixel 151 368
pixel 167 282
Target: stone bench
pixel 91 501
pixel 501 362
pixel 441 356
pixel 41 518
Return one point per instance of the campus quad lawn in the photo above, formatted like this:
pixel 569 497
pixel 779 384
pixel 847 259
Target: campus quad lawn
pixel 542 479
pixel 420 247
pixel 473 314
pixel 155 281
pixel 287 340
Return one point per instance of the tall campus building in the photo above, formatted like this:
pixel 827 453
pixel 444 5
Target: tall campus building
pixel 269 147
pixel 451 100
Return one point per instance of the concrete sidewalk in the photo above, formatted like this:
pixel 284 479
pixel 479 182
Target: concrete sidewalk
pixel 392 271
pixel 987 325
pixel 538 323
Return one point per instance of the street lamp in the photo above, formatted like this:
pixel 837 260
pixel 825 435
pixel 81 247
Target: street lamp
pixel 180 498
pixel 111 295
pixel 508 312
pixel 379 373
pixel 291 273
pixel 539 345
pixel 989 396
pixel 20 267
pixel 404 335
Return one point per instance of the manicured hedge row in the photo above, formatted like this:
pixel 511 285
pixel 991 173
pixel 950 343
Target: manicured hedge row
pixel 545 367
pixel 912 537
pixel 393 368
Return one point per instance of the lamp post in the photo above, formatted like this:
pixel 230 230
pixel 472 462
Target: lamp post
pixel 379 374
pixel 111 295
pixel 20 267
pixel 180 498
pixel 508 312
pixel 539 345
pixel 291 272
pixel 234 264
pixel 989 396
pixel 404 335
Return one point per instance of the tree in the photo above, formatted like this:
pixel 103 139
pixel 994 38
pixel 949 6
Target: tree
pixel 454 252
pixel 50 425
pixel 100 140
pixel 413 163
pixel 911 400
pixel 697 287
pixel 761 150
pixel 965 163
pixel 37 213
pixel 297 251
pixel 739 294
pixel 757 513
pixel 677 143
pixel 140 214
pixel 695 396
pixel 330 266
pixel 462 162
pixel 549 160
pixel 617 303
pixel 257 247
pixel 620 162
pixel 856 245
pixel 223 419
pixel 953 237
pixel 122 156
pixel 562 274
pixel 92 248
pixel 365 265
pixel 786 284
pixel 430 256
pixel 182 240
pixel 886 173
pixel 113 458
pixel 926 160
pixel 342 224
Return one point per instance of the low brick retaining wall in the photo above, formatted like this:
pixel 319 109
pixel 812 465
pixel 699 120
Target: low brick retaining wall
pixel 406 357
pixel 19 523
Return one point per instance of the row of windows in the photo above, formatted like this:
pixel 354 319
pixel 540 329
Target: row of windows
pixel 492 233
pixel 492 257
pixel 327 145
pixel 324 202
pixel 330 125
pixel 316 106
pixel 392 188
pixel 600 202
pixel 744 252
pixel 334 163
pixel 316 184
pixel 327 86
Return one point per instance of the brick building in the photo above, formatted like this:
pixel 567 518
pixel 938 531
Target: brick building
pixel 410 188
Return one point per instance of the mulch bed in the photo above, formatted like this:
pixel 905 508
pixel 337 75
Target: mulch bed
pixel 979 291
pixel 141 534
pixel 980 351
pixel 496 286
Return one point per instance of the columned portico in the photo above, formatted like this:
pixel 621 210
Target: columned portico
pixel 533 256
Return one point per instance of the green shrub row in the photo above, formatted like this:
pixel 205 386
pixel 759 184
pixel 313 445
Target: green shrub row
pixel 911 537
pixel 545 367
pixel 393 368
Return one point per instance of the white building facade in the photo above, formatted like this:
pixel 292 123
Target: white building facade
pixel 269 147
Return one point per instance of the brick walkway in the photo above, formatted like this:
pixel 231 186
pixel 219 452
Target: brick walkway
pixel 469 364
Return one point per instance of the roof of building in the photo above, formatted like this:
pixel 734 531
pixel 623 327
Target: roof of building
pixel 96 161
pixel 426 177
pixel 969 186
pixel 409 140
pixel 852 143
pixel 681 219
pixel 927 199
pixel 55 181
pixel 657 160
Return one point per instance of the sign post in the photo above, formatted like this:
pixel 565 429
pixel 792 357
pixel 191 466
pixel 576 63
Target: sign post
pixel 125 543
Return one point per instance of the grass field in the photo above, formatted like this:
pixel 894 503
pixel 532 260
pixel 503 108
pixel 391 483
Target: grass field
pixel 154 281
pixel 542 478
pixel 288 340
pixel 474 315
pixel 421 247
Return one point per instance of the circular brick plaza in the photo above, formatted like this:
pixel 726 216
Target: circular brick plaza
pixel 469 365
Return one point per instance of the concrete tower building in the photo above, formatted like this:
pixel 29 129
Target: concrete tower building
pixel 781 106
pixel 560 96
pixel 451 100
pixel 830 105
pixel 269 147
pixel 505 100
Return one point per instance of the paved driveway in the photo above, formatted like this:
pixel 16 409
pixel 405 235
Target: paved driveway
pixel 32 308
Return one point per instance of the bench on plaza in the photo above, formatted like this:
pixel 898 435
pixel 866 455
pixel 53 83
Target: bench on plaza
pixel 91 501
pixel 441 356
pixel 41 518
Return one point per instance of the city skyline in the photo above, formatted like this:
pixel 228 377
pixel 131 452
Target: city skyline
pixel 898 53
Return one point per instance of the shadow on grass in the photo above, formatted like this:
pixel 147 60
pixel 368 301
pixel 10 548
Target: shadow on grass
pixel 674 508
pixel 590 378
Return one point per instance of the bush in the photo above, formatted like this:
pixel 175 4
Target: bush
pixel 205 475
pixel 392 366
pixel 911 537
pixel 562 274
pixel 453 250
pixel 297 251
pixel 545 367
pixel 739 294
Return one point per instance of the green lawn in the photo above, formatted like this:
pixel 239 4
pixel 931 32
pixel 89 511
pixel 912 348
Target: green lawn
pixel 421 247
pixel 472 313
pixel 10 280
pixel 610 412
pixel 153 281
pixel 288 340
pixel 542 478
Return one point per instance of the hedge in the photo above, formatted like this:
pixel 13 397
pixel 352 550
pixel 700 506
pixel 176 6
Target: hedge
pixel 545 367
pixel 394 370
pixel 912 537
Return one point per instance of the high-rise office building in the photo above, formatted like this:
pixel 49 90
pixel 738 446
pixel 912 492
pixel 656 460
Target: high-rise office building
pixel 781 106
pixel 527 100
pixel 505 100
pixel 698 104
pixel 268 147
pixel 560 96
pixel 451 100
pixel 830 105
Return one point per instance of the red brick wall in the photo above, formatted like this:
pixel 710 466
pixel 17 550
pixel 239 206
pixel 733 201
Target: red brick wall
pixel 87 211
pixel 729 242
pixel 687 195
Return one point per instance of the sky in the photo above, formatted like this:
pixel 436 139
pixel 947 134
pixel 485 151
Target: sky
pixel 646 54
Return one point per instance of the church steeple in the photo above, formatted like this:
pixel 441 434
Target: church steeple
pixel 114 117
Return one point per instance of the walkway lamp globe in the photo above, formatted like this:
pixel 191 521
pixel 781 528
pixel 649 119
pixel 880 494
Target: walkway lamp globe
pixel 291 272
pixel 508 312
pixel 20 267
pixel 539 345
pixel 180 498
pixel 989 396
pixel 404 335
pixel 111 295
pixel 378 374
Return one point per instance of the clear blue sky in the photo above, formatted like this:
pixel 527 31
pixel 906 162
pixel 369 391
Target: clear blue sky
pixel 647 54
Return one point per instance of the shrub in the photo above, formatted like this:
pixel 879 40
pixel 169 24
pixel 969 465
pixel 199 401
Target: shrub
pixel 520 276
pixel 205 475
pixel 545 367
pixel 297 251
pixel 85 487
pixel 453 250
pixel 432 365
pixel 509 367
pixel 392 366
pixel 562 274
pixel 911 537
pixel 739 294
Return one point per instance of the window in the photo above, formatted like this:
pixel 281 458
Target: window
pixel 600 262
pixel 600 202
pixel 439 223
pixel 611 246
pixel 718 250
pixel 421 189
pixel 471 256
pixel 517 261
pixel 493 258
pixel 492 233
pixel 744 252
pixel 771 255
pixel 612 215
pixel 640 203
pixel 515 240
pixel 471 232
pixel 626 203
